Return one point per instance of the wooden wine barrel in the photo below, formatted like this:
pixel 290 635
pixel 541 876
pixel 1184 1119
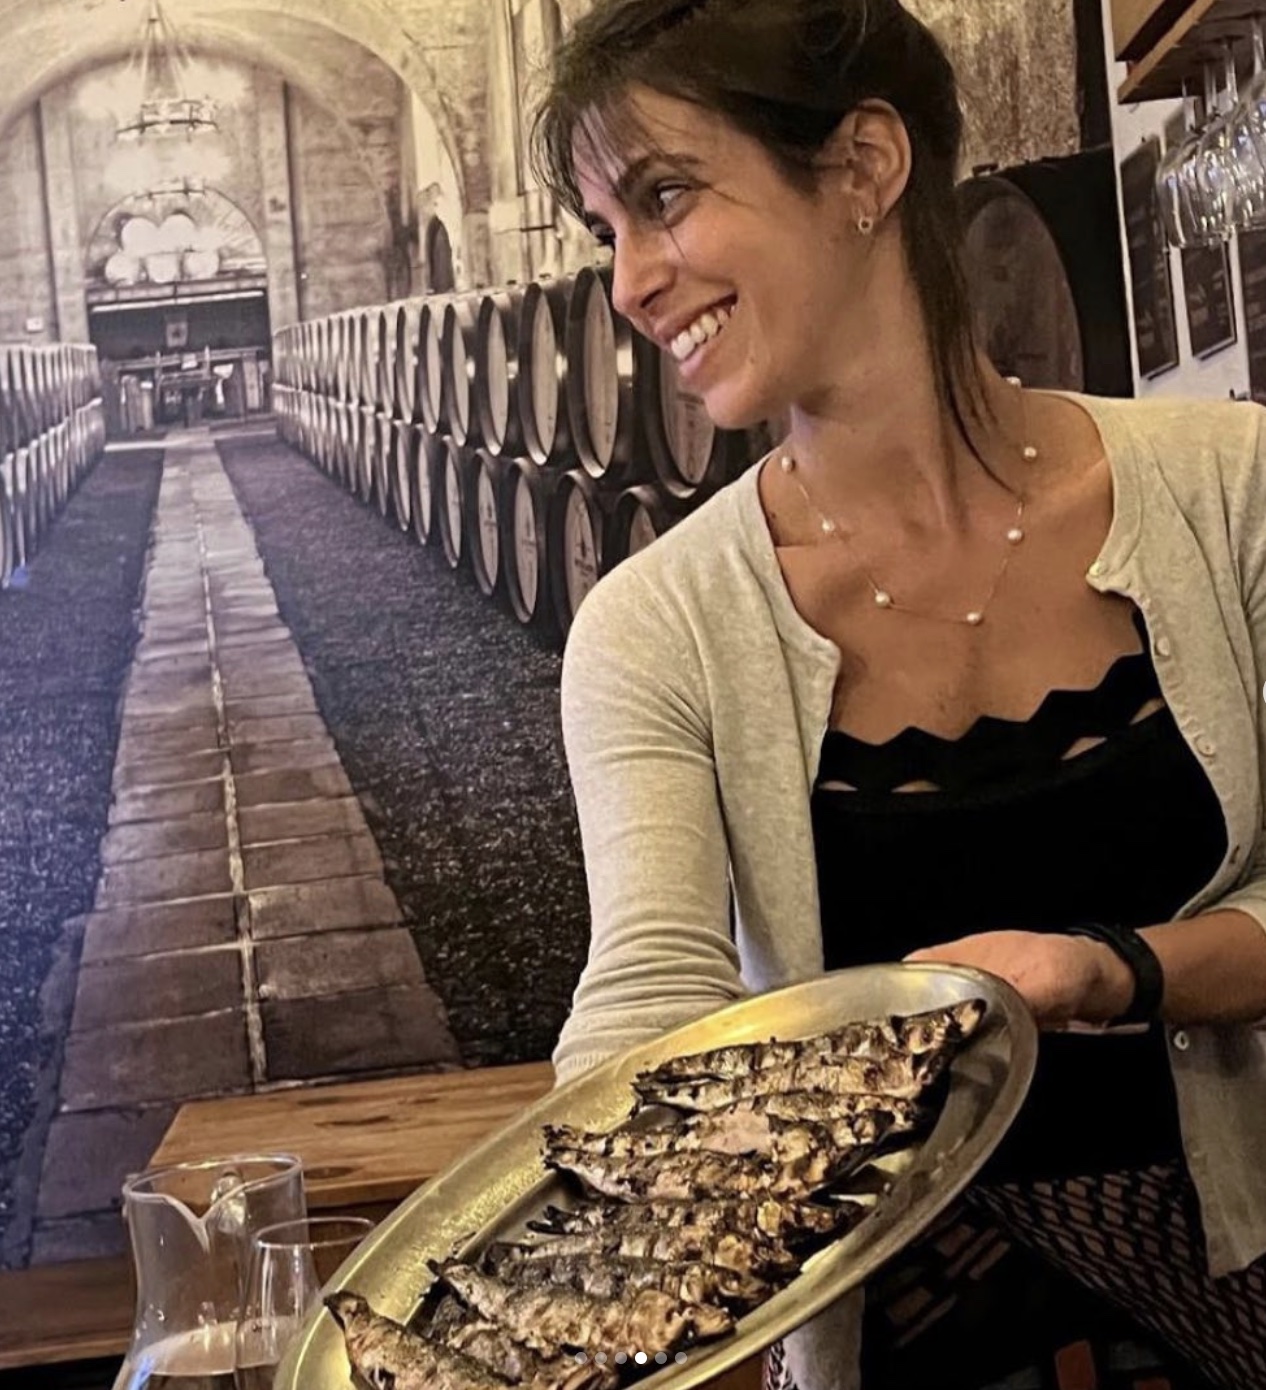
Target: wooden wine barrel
pixel 405 361
pixel 343 344
pixel 406 442
pixel 426 485
pixel 497 371
pixel 483 521
pixel 384 461
pixel 384 326
pixel 691 457
pixel 347 432
pixel 324 377
pixel 641 515
pixel 8 538
pixel 542 381
pixel 430 373
pixel 455 479
pixel 367 442
pixel 457 346
pixel 601 376
pixel 576 533
pixel 526 489
pixel 1044 268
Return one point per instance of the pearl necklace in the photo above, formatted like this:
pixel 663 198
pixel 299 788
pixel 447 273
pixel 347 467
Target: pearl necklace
pixel 884 597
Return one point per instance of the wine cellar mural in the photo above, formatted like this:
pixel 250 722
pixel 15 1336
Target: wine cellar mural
pixel 289 257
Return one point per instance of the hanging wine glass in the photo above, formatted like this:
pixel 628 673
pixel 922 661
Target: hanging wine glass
pixel 1215 157
pixel 1172 192
pixel 1250 136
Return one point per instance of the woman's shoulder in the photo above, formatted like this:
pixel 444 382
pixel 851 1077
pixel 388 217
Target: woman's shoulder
pixel 670 593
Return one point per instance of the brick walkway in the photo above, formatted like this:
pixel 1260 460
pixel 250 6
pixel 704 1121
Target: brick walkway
pixel 242 935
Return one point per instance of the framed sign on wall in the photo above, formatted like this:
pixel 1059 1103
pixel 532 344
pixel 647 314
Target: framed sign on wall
pixel 1206 274
pixel 1155 327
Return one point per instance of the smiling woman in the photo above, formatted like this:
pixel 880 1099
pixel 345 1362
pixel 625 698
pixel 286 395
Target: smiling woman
pixel 962 672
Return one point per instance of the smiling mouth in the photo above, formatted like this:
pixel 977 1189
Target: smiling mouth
pixel 708 326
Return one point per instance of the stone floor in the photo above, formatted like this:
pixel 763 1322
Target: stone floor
pixel 242 935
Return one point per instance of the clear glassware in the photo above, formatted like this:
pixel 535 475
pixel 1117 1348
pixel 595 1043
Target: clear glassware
pixel 1216 156
pixel 192 1225
pixel 1250 136
pixel 1172 191
pixel 291 1263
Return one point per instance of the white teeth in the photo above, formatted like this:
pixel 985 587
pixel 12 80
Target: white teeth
pixel 704 328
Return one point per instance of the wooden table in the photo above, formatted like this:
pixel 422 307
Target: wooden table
pixel 363 1143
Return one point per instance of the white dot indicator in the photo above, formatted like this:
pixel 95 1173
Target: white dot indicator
pixel 680 1358
pixel 581 1358
pixel 601 1358
pixel 620 1358
pixel 640 1357
pixel 661 1358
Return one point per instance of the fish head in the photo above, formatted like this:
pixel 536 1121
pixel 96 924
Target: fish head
pixel 347 1307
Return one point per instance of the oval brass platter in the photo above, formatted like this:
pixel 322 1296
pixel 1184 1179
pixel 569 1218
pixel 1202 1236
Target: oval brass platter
pixel 495 1189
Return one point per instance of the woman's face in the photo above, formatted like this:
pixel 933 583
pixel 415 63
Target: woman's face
pixel 712 242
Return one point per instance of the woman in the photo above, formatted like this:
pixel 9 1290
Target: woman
pixel 960 673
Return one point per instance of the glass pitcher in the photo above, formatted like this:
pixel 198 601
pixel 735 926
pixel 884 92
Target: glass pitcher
pixel 192 1225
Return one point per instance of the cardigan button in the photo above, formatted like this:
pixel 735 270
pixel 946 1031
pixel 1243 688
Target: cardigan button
pixel 1206 747
pixel 1180 1040
pixel 1097 569
pixel 1162 647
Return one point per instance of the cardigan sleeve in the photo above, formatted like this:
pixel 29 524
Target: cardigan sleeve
pixel 639 751
pixel 1245 492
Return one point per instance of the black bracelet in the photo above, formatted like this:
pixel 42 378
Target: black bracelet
pixel 1149 978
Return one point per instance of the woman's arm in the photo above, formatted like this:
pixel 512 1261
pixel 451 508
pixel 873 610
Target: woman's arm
pixel 1214 967
pixel 635 724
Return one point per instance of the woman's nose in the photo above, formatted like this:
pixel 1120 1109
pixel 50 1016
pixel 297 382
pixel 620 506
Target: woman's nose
pixel 640 272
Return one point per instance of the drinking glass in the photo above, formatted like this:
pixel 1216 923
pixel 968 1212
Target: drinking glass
pixel 1172 190
pixel 1250 136
pixel 291 1263
pixel 1216 156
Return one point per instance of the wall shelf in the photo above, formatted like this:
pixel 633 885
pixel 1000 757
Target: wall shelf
pixel 1193 40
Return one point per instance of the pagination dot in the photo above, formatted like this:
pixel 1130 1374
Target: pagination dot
pixel 680 1358
pixel 621 1357
pixel 661 1358
pixel 640 1357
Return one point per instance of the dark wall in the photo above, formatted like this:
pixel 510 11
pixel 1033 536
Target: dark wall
pixel 236 323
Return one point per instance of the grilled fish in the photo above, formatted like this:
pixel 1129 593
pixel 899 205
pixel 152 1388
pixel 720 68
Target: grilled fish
pixel 771 1219
pixel 898 1075
pixel 607 1276
pixel 747 1253
pixel 701 1176
pixel 493 1347
pixel 915 1034
pixel 549 1318
pixel 844 1116
pixel 390 1357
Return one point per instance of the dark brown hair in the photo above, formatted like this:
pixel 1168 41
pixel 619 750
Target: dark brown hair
pixel 785 73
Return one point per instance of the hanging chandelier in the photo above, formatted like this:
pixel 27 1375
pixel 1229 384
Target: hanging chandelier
pixel 161 67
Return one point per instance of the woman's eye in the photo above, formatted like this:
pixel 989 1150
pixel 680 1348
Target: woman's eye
pixel 666 194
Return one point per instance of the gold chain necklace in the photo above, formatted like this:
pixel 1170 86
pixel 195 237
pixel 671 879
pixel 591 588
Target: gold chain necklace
pixel 883 596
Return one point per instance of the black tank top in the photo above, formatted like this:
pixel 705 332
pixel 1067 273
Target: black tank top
pixel 1019 837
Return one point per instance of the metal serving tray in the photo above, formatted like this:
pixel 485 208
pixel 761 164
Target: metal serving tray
pixel 495 1189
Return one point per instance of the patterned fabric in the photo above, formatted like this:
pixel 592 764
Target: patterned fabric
pixel 955 1300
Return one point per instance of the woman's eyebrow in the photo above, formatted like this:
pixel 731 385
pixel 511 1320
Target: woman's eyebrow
pixel 635 175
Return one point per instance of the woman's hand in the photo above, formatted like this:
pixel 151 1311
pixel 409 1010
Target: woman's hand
pixel 1061 978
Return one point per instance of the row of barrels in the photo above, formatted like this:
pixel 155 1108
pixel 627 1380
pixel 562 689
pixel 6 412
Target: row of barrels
pixel 547 371
pixel 535 538
pixel 527 432
pixel 52 431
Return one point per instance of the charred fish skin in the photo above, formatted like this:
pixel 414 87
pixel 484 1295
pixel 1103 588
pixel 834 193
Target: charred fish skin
pixel 749 1254
pixel 614 1276
pixel 493 1347
pixel 861 1118
pixel 702 1176
pixel 917 1034
pixel 549 1319
pixel 898 1076
pixel 390 1357
pixel 783 1222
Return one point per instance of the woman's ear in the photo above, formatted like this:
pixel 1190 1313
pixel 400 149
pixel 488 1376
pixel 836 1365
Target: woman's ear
pixel 869 153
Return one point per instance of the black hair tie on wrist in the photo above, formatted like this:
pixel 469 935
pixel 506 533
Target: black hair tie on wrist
pixel 1149 978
